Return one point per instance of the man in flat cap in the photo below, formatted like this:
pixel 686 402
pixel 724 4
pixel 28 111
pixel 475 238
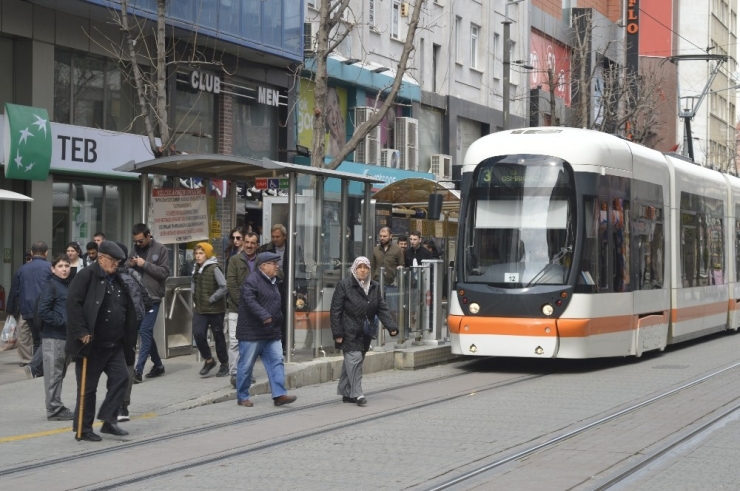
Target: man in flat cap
pixel 102 327
pixel 258 330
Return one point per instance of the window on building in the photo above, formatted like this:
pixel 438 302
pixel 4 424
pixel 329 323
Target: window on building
pixel 458 39
pixel 255 128
pixel 513 73
pixel 91 91
pixel 395 16
pixel 474 46
pixel 496 71
pixel 422 65
pixel 371 14
pixel 194 128
pixel 436 50
pixel 312 3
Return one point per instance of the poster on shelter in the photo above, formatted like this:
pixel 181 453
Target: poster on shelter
pixel 179 215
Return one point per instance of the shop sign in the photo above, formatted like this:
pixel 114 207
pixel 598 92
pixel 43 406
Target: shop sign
pixel 271 183
pixel 179 215
pixel 204 81
pixel 269 97
pixel 27 143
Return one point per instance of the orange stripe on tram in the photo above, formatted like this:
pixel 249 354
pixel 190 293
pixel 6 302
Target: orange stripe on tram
pixel 578 328
pixel 698 311
pixel 504 326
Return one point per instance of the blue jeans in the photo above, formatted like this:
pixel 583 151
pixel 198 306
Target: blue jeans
pixel 271 352
pixel 148 347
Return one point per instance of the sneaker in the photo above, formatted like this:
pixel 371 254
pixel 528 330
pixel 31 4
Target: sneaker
pixel 233 381
pixel 350 400
pixel 123 414
pixel 361 401
pixel 63 415
pixel 223 371
pixel 207 367
pixel 155 372
pixel 29 371
pixel 137 378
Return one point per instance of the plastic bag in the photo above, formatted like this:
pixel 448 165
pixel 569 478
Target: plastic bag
pixel 8 335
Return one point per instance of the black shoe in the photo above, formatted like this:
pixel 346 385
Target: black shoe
pixel 207 367
pixel 113 429
pixel 282 400
pixel 88 437
pixel 155 372
pixel 361 401
pixel 63 415
pixel 137 378
pixel 223 371
pixel 123 414
pixel 351 400
pixel 233 381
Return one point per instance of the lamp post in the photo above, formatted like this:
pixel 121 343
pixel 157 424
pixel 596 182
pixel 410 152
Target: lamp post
pixel 507 59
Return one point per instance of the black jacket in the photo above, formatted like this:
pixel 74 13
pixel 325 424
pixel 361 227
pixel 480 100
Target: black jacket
pixel 84 298
pixel 53 308
pixel 260 301
pixel 350 306
pixel 419 254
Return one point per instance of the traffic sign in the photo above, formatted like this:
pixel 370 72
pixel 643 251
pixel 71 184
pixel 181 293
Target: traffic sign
pixel 271 183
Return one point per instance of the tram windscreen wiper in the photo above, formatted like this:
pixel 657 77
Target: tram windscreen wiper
pixel 555 260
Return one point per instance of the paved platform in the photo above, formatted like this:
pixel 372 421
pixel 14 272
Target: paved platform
pixel 22 404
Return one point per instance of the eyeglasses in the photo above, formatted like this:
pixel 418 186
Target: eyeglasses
pixel 236 237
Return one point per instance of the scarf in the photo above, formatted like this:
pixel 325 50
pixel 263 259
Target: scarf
pixel 365 285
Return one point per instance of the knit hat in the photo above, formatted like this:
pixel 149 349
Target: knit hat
pixel 207 248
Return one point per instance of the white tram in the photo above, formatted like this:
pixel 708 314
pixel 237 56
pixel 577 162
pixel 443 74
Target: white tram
pixel 578 244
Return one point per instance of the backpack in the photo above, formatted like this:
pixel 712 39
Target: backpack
pixel 38 324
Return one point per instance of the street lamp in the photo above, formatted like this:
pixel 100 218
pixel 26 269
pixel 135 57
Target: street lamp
pixel 507 59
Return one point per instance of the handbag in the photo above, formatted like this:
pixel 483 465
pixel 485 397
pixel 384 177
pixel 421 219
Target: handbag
pixel 370 327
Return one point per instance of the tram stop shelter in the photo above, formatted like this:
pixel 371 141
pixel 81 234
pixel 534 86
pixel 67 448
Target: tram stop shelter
pixel 308 228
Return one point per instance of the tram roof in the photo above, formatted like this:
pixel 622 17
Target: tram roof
pixel 231 168
pixel 416 190
pixel 6 195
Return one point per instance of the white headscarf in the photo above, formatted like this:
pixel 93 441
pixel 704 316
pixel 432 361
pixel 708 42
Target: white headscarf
pixel 364 284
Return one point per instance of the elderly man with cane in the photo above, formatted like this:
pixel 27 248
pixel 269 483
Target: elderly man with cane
pixel 101 335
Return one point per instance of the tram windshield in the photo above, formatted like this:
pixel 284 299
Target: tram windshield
pixel 519 225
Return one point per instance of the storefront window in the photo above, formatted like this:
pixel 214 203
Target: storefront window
pixel 255 129
pixel 92 87
pixel 194 118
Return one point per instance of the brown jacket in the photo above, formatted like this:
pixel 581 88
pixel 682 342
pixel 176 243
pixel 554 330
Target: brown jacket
pixel 390 259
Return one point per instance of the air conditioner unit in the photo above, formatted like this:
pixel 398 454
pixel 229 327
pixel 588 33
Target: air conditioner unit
pixel 407 136
pixel 368 150
pixel 390 158
pixel 441 167
pixel 362 114
pixel 308 40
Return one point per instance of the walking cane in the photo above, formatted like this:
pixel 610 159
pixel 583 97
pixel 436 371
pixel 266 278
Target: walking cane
pixel 81 403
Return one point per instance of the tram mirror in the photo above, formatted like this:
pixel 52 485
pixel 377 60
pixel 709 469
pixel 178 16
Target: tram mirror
pixel 435 206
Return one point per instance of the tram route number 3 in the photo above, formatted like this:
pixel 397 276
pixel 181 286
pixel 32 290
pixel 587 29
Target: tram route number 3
pixel 511 277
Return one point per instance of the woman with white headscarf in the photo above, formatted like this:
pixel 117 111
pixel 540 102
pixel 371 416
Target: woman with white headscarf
pixel 356 299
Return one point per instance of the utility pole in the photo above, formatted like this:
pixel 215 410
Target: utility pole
pixel 507 60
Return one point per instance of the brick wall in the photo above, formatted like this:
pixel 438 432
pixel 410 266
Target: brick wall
pixel 225 122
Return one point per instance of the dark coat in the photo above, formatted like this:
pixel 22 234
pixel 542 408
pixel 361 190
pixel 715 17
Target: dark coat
pixel 53 308
pixel 85 296
pixel 419 254
pixel 156 268
pixel 349 308
pixel 31 277
pixel 237 272
pixel 260 301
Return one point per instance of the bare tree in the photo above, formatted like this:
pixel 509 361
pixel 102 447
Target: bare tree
pixel 143 40
pixel 332 30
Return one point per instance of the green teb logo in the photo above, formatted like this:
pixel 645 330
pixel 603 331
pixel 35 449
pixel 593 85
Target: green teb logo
pixel 27 143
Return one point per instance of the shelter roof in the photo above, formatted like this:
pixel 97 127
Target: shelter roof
pixel 6 195
pixel 231 168
pixel 416 190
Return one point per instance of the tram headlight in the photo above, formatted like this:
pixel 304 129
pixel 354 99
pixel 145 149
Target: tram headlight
pixel 547 309
pixel 474 308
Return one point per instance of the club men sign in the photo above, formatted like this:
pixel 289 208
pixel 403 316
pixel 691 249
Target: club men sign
pixel 204 81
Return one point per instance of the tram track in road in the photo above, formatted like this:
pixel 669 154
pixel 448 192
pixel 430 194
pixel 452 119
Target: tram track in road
pixel 481 471
pixel 251 419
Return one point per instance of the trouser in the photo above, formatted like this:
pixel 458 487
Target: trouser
pixel 201 323
pixel 272 360
pixel 233 343
pixel 25 340
pixel 111 362
pixel 148 347
pixel 127 395
pixel 55 362
pixel 37 362
pixel 350 380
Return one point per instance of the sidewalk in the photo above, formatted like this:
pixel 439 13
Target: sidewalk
pixel 22 408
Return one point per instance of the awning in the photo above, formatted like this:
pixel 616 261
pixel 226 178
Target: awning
pixel 6 195
pixel 415 192
pixel 230 168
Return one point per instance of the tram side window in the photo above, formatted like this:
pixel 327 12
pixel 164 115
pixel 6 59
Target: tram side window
pixel 702 241
pixel 737 243
pixel 648 242
pixel 590 272
pixel 621 237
